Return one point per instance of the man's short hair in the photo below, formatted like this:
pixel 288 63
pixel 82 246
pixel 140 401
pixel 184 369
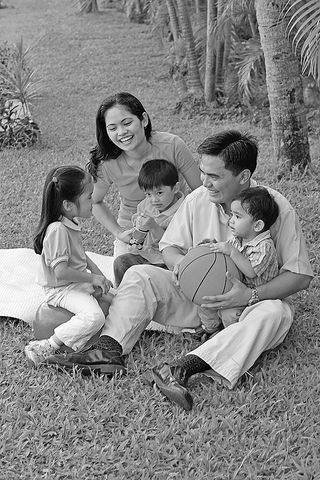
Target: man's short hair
pixel 157 173
pixel 259 204
pixel 239 151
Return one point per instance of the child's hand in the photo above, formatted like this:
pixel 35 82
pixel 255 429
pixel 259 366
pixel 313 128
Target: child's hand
pixel 145 223
pixel 102 282
pixel 223 247
pixel 135 248
pixel 175 271
pixel 206 241
pixel 125 236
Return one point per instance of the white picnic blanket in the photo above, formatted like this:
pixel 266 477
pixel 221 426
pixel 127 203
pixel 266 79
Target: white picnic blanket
pixel 20 296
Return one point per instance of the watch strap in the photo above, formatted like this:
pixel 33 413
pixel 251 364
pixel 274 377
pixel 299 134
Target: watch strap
pixel 254 297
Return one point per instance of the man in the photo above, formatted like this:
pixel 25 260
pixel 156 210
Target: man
pixel 147 293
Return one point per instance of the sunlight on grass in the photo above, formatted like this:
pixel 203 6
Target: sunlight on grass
pixel 63 426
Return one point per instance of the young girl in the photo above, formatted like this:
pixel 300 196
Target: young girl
pixel 64 266
pixel 125 141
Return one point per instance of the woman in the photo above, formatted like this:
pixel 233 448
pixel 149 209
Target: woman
pixel 125 140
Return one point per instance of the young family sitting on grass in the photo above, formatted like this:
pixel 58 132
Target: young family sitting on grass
pixel 256 226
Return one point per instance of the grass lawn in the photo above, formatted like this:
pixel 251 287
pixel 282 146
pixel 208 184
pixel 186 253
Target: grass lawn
pixel 63 426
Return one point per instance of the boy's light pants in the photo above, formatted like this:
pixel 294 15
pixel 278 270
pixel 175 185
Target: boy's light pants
pixel 88 318
pixel 147 293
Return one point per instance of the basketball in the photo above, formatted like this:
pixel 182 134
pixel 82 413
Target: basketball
pixel 202 272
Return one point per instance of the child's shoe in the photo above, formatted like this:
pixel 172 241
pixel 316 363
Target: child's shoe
pixel 38 351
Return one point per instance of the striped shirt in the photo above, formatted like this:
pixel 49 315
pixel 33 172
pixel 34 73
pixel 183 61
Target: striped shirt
pixel 263 258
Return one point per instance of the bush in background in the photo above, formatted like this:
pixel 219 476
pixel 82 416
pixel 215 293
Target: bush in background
pixel 19 85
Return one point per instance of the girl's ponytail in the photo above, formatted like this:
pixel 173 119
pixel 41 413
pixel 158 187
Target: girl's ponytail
pixel 50 210
pixel 62 183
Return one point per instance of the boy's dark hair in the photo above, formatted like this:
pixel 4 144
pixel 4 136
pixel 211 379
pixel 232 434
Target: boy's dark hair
pixel 105 148
pixel 62 183
pixel 156 173
pixel 260 205
pixel 238 151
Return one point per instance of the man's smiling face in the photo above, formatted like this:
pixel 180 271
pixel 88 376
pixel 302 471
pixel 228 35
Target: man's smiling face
pixel 222 184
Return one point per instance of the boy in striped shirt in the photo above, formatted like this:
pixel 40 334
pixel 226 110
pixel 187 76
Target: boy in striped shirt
pixel 252 250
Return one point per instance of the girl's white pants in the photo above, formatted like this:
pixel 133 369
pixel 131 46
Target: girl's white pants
pixel 88 317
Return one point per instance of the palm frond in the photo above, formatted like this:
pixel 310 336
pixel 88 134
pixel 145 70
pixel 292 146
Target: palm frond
pixel 249 66
pixel 304 29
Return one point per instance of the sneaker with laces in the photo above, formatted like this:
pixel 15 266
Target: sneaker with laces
pixel 38 351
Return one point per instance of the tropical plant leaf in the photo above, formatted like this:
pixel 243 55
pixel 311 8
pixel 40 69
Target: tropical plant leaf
pixel 250 67
pixel 304 29
pixel 18 80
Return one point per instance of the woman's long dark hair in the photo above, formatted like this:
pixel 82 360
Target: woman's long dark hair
pixel 62 183
pixel 105 148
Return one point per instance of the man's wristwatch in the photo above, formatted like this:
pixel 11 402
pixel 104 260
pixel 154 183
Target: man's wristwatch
pixel 254 297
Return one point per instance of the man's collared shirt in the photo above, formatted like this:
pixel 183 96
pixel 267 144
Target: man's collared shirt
pixel 198 219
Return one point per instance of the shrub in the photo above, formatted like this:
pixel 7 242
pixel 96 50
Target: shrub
pixel 18 86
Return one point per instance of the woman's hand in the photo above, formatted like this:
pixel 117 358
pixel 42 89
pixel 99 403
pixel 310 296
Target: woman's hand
pixel 238 296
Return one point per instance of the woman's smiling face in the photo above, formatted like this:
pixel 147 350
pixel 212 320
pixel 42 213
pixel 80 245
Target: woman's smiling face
pixel 125 129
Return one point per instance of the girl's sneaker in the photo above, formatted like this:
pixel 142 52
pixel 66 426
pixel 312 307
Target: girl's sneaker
pixel 38 351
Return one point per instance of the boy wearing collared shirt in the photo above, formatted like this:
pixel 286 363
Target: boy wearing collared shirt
pixel 159 180
pixel 252 250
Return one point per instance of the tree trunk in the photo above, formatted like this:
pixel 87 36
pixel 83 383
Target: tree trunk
pixel 94 4
pixel 209 81
pixel 284 86
pixel 174 25
pixel 219 50
pixel 89 6
pixel 201 11
pixel 253 26
pixel 178 51
pixel 227 48
pixel 194 82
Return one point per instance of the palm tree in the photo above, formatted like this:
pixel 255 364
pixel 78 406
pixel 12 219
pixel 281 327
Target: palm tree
pixel 194 82
pixel 209 82
pixel 178 50
pixel 220 46
pixel 174 24
pixel 284 86
pixel 88 6
pixel 224 39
